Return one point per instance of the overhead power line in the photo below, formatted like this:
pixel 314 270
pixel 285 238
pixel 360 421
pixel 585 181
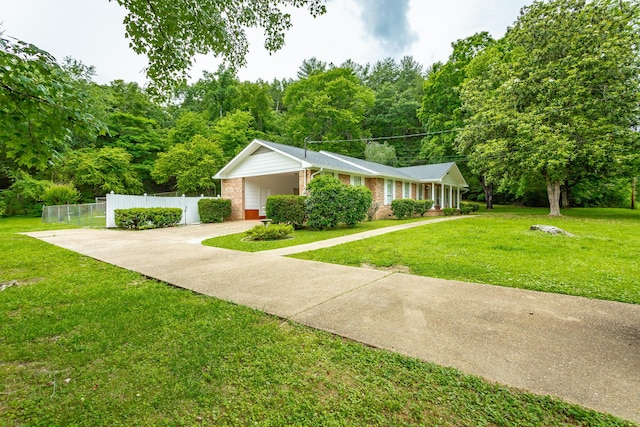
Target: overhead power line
pixel 381 138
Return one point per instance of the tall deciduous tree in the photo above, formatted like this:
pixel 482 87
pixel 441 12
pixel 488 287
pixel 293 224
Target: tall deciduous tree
pixel 234 131
pixel 440 109
pixel 41 107
pixel 187 126
pixel 328 106
pixel 398 93
pixel 171 33
pixel 190 165
pixel 567 95
pixel 97 171
pixel 384 154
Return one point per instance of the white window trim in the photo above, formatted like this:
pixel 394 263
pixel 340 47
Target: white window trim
pixel 387 200
pixel 353 179
pixel 406 185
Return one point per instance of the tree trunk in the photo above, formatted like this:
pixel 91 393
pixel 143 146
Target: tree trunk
pixel 488 192
pixel 566 192
pixel 553 191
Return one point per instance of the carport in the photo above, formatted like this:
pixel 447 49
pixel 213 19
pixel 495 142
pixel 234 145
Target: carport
pixel 258 188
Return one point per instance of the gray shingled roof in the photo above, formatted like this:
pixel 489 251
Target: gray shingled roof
pixel 315 158
pixel 339 162
pixel 427 172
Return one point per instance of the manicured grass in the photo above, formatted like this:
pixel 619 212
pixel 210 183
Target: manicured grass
pixel 601 261
pixel 239 241
pixel 88 344
pixel 594 213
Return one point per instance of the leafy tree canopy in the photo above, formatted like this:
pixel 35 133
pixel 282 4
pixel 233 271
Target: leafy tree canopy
pixel 41 106
pixel 98 171
pixel 381 153
pixel 171 33
pixel 234 131
pixel 398 93
pixel 440 111
pixel 190 165
pixel 329 106
pixel 561 98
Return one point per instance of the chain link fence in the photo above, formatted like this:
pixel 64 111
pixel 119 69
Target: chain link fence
pixel 85 215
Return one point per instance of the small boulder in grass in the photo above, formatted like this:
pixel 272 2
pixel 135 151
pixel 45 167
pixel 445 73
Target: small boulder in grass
pixel 550 229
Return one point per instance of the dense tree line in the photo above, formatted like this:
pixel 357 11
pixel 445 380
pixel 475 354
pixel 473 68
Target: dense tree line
pixel 546 115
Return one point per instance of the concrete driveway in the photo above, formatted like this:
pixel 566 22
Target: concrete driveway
pixel 583 351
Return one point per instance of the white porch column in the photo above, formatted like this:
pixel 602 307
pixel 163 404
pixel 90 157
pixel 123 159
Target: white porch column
pixel 458 188
pixel 451 196
pixel 433 195
pixel 442 201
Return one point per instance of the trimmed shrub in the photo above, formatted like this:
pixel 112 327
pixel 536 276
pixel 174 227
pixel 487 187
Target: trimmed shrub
pixel 270 232
pixel 60 194
pixel 3 208
pixel 331 202
pixel 472 207
pixel 356 202
pixel 449 211
pixel 323 205
pixel 420 207
pixel 144 218
pixel 214 210
pixel 403 208
pixel 287 209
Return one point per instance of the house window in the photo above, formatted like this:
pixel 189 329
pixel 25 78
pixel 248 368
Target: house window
pixel 356 180
pixel 406 190
pixel 389 191
pixel 420 191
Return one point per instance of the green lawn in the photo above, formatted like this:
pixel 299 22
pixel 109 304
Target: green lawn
pixel 239 241
pixel 88 344
pixel 601 261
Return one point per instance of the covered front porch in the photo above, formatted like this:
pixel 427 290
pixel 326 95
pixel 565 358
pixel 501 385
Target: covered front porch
pixel 443 195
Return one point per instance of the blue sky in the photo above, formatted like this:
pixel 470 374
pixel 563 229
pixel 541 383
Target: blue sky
pixel 361 30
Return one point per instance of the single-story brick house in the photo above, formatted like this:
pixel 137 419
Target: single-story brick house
pixel 265 168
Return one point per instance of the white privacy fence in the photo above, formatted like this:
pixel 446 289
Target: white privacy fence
pixel 189 206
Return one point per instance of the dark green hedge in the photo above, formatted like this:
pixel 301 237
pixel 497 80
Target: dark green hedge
pixel 403 208
pixel 467 208
pixel 214 210
pixel 271 232
pixel 286 209
pixel 449 211
pixel 143 218
pixel 331 202
pixel 422 206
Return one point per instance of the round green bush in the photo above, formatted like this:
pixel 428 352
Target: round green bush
pixel 270 232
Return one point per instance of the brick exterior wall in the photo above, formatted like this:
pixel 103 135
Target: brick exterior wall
pixel 234 189
pixel 376 185
pixel 399 194
pixel 302 181
pixel 345 179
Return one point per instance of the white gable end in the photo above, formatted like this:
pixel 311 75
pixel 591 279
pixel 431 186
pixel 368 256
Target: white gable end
pixel 264 163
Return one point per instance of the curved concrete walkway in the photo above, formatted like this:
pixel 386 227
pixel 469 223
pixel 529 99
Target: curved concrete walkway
pixel 583 351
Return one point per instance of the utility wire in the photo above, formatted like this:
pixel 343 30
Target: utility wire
pixel 380 138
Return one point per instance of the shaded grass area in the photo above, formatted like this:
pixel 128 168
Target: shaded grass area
pixel 240 242
pixel 86 343
pixel 601 261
